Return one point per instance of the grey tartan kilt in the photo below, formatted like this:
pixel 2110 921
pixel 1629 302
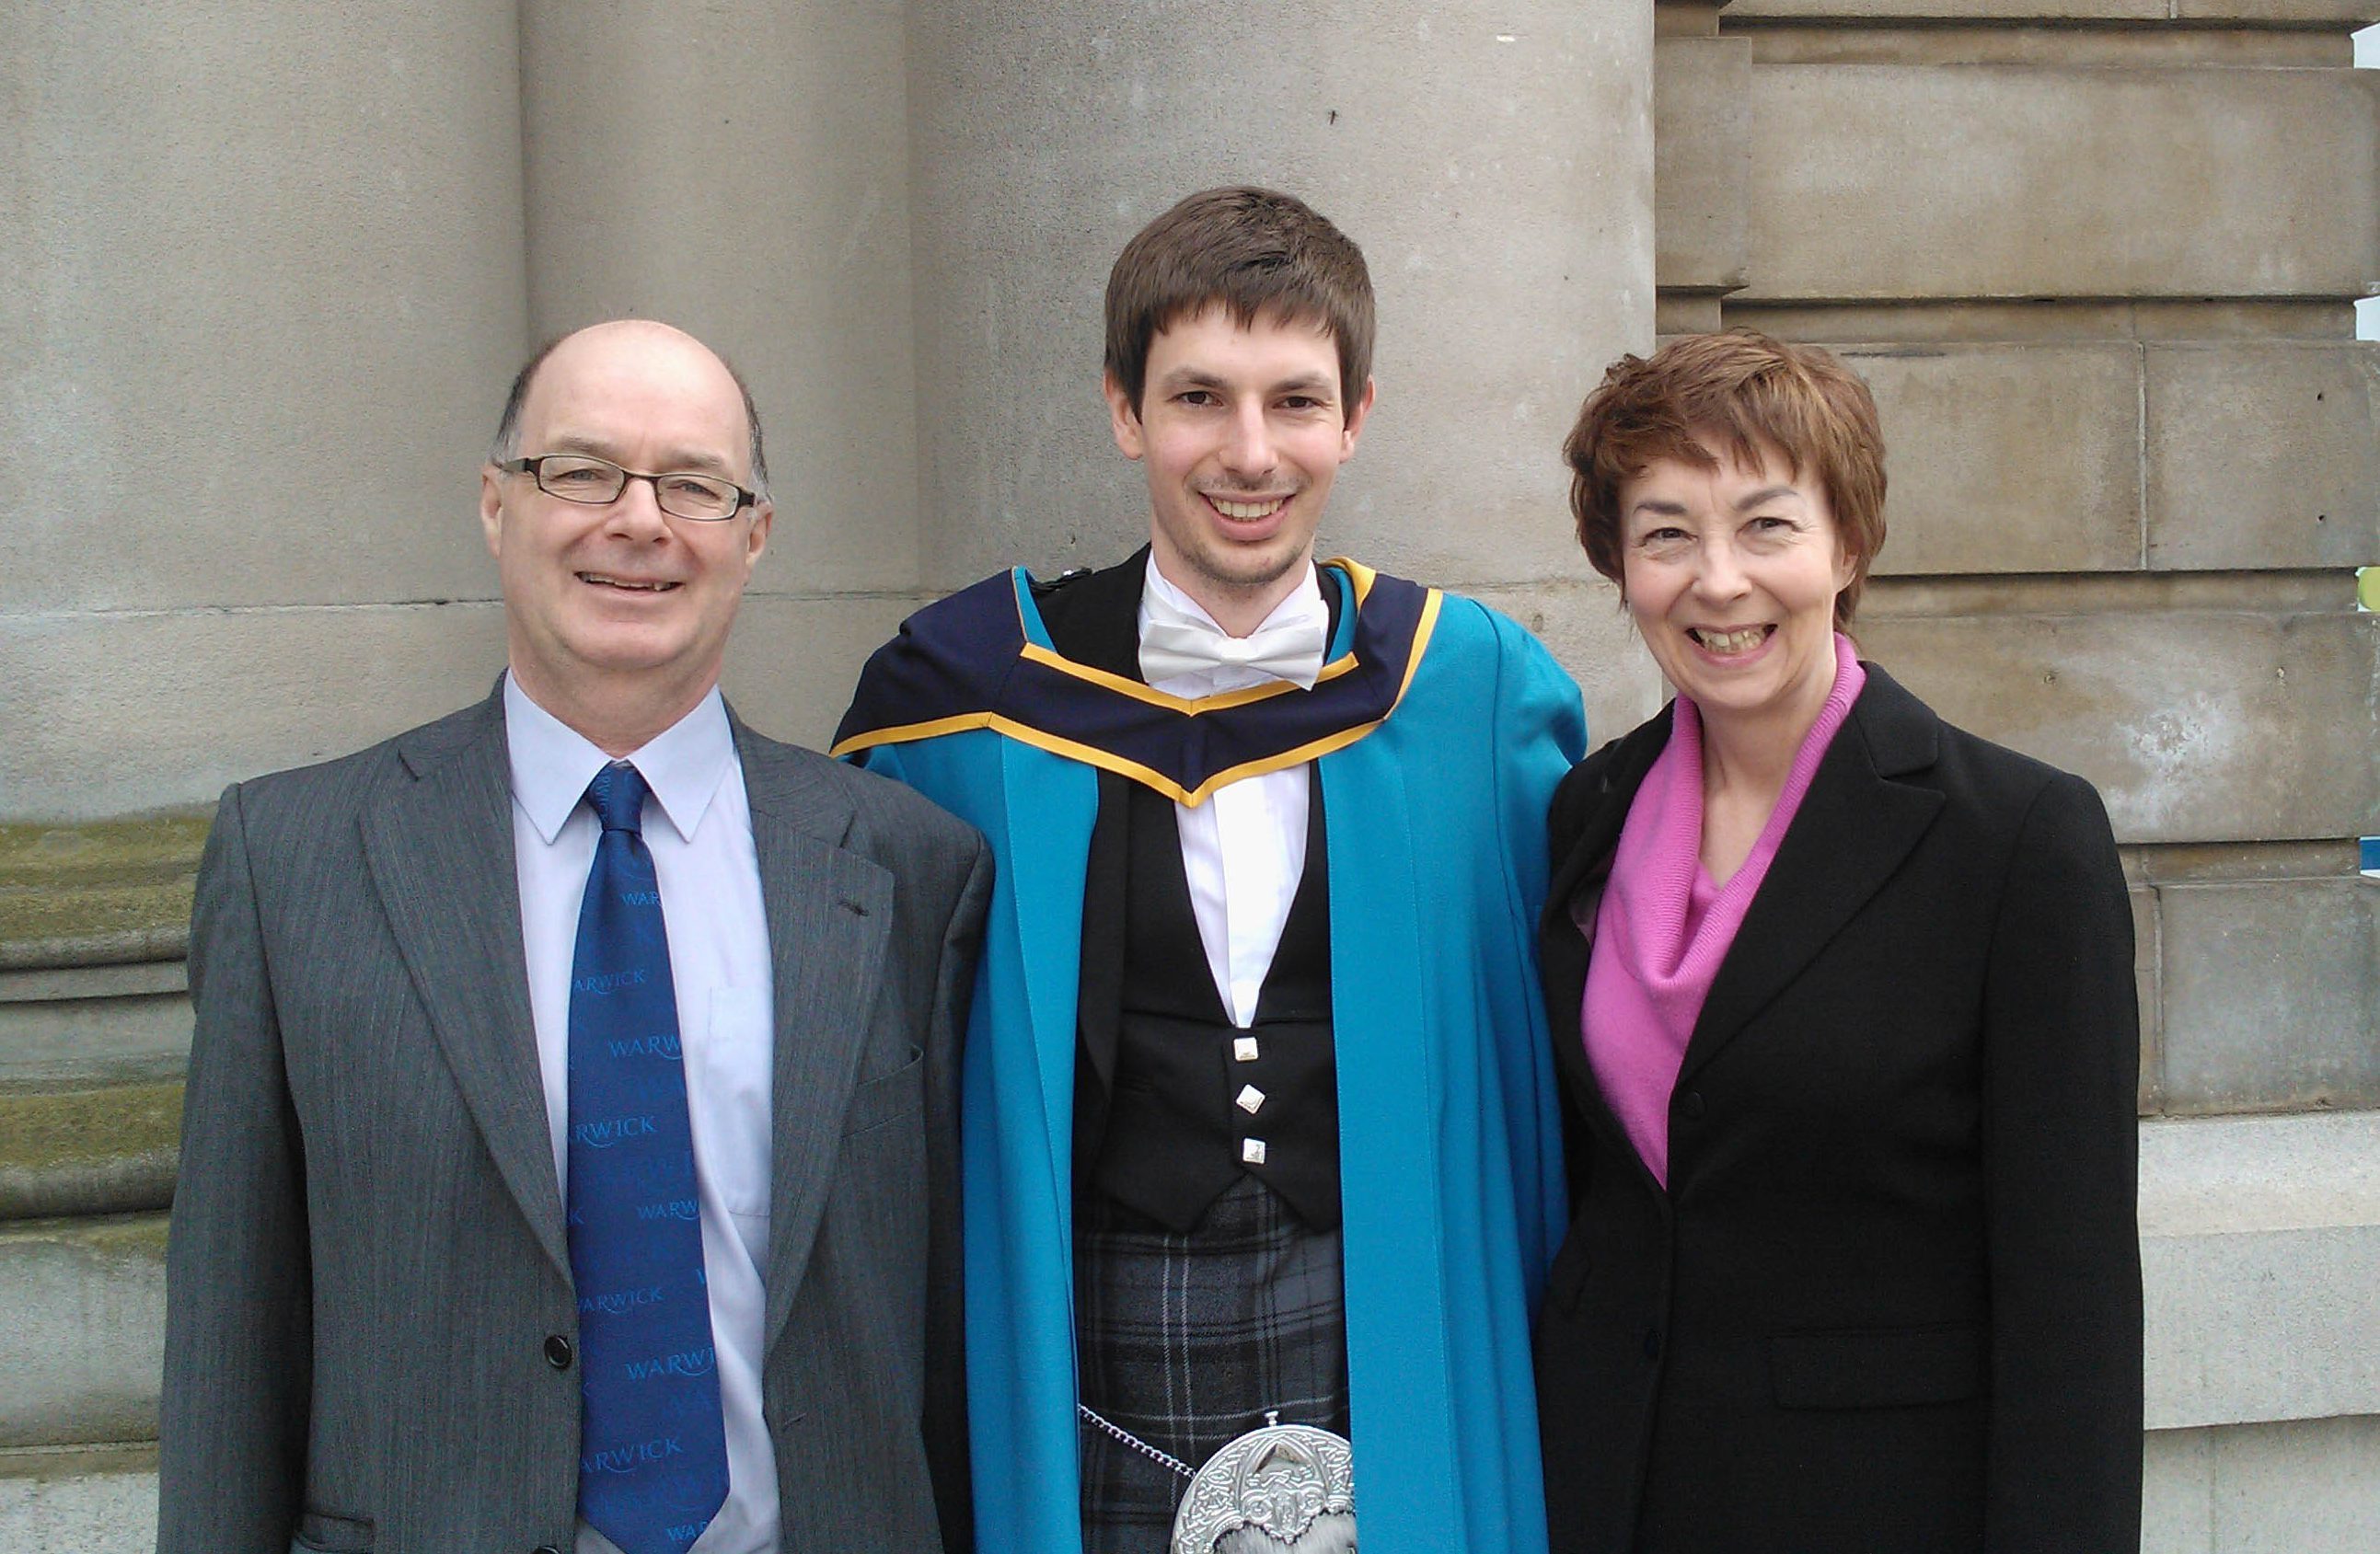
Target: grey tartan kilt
pixel 1186 1340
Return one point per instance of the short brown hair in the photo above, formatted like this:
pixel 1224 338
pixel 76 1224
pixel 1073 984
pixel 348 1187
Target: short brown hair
pixel 1255 252
pixel 1756 395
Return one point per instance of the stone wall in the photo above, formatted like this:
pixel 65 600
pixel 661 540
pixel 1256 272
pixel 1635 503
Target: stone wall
pixel 2096 257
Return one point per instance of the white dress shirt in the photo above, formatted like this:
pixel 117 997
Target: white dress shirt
pixel 1245 848
pixel 698 828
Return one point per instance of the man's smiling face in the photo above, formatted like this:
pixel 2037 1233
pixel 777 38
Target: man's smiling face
pixel 1242 431
pixel 600 598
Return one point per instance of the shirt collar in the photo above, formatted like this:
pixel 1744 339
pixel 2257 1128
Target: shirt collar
pixel 1306 596
pixel 552 763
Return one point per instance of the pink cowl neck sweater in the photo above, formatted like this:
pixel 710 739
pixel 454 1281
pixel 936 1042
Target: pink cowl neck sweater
pixel 1663 926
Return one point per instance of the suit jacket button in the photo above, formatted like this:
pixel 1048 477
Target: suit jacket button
pixel 557 1351
pixel 1691 1104
pixel 1652 1344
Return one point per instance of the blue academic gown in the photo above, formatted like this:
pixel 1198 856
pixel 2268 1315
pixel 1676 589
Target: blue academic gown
pixel 1436 789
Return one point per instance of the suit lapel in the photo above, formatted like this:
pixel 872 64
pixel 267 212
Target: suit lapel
pixel 1855 826
pixel 830 914
pixel 440 849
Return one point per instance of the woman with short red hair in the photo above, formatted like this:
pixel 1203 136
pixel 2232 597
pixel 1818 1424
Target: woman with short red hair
pixel 1844 1008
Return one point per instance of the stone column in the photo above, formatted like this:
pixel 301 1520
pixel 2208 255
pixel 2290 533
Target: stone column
pixel 740 170
pixel 259 288
pixel 1495 167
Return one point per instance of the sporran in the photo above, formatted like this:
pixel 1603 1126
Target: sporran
pixel 1277 1489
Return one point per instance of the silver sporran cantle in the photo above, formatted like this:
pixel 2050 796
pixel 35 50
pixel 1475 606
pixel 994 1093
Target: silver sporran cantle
pixel 1278 1488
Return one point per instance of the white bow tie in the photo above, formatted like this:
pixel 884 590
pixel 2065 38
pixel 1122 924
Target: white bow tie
pixel 1288 647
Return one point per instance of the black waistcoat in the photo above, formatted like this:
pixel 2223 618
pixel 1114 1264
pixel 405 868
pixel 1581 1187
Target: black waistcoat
pixel 1189 1092
pixel 1092 618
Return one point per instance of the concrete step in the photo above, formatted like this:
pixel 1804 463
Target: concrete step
pixel 79 1500
pixel 101 893
pixel 84 1341
pixel 94 1013
pixel 91 1088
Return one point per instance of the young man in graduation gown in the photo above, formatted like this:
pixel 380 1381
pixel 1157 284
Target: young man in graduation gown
pixel 1258 1122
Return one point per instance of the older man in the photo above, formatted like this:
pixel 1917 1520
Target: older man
pixel 567 1071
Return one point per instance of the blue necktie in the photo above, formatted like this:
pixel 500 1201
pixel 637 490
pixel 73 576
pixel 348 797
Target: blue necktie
pixel 652 1465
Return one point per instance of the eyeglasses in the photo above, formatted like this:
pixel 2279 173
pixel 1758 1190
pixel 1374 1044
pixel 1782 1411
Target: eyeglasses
pixel 597 483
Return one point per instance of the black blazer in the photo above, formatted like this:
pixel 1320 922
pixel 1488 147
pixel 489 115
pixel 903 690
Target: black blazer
pixel 1890 1300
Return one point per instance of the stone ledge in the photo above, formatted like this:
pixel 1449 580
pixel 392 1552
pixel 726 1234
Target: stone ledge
pixel 103 892
pixel 78 1500
pixel 2260 1249
pixel 84 1344
pixel 2344 14
pixel 2293 1486
pixel 109 1149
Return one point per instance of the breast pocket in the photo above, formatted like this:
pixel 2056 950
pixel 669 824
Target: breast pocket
pixel 728 1084
pixel 887 1098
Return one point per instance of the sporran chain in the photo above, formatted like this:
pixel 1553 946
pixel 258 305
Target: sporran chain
pixel 1172 1464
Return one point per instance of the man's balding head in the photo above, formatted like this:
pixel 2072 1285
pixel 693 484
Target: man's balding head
pixel 616 612
pixel 507 444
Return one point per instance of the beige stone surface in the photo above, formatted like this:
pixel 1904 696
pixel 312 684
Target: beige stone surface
pixel 79 1502
pixel 81 1043
pixel 83 1347
pixel 1581 620
pixel 2292 1487
pixel 115 714
pixel 2260 1268
pixel 793 659
pixel 110 892
pixel 1879 181
pixel 2045 321
pixel 2262 1325
pixel 260 290
pixel 2049 42
pixel 2271 995
pixel 1946 10
pixel 2195 725
pixel 111 1149
pixel 2244 1175
pixel 2147 990
pixel 2008 458
pixel 741 168
pixel 2264 456
pixel 1702 159
pixel 2349 12
pixel 1686 19
pixel 1497 171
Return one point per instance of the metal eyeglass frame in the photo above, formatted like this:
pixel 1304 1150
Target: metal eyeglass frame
pixel 535 469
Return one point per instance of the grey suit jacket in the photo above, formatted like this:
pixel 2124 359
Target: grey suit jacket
pixel 369 1309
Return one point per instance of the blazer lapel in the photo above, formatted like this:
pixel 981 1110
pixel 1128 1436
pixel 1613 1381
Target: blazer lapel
pixel 1614 775
pixel 440 849
pixel 829 913
pixel 1855 826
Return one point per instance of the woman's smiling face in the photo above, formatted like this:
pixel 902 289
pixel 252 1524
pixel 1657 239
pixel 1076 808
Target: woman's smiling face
pixel 1730 575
